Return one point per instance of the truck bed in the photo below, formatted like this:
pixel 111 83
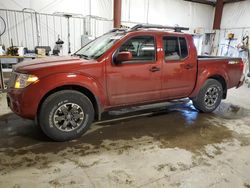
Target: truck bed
pixel 203 57
pixel 229 67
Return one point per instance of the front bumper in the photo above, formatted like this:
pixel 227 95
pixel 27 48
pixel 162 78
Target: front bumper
pixel 242 79
pixel 21 103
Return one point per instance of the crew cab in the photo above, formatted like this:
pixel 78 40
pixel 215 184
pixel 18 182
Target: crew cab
pixel 124 67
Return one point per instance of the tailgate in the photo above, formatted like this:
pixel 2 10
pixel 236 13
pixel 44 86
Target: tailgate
pixel 235 72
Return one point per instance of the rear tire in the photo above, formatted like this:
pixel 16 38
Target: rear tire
pixel 209 97
pixel 66 115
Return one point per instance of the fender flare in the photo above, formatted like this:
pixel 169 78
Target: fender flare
pixel 63 80
pixel 205 75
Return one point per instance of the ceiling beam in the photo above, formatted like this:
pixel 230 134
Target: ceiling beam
pixel 117 13
pixel 212 3
pixel 202 2
pixel 218 14
pixel 232 1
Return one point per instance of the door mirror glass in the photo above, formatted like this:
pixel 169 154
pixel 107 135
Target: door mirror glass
pixel 123 56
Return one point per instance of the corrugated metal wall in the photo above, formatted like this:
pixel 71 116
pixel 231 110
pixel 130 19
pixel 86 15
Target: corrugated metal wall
pixel 21 27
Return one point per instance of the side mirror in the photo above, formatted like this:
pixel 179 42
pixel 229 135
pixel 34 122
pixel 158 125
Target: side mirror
pixel 123 56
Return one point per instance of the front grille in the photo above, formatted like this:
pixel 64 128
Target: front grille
pixel 11 82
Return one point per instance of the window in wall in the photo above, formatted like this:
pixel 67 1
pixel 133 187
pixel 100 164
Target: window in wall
pixel 142 48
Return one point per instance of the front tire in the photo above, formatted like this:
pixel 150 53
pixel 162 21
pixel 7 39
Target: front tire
pixel 209 97
pixel 66 115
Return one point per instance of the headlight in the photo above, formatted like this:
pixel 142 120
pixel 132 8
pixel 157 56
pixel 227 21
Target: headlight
pixel 23 80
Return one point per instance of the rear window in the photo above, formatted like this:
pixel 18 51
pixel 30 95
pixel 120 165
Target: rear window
pixel 175 48
pixel 183 46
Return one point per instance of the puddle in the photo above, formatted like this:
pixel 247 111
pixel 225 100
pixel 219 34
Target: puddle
pixel 175 126
pixel 6 117
pixel 178 125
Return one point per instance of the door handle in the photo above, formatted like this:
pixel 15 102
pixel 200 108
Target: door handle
pixel 188 66
pixel 154 69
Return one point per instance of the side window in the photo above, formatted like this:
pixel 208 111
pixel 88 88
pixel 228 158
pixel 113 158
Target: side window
pixel 142 48
pixel 175 48
pixel 171 48
pixel 183 45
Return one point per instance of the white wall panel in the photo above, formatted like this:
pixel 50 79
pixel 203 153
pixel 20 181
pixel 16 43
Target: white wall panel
pixel 102 8
pixel 138 11
pixel 168 12
pixel 49 6
pixel 236 15
pixel 235 19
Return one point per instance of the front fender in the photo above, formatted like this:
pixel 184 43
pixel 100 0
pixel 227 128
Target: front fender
pixel 62 79
pixel 38 90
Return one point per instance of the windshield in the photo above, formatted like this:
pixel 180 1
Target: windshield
pixel 99 46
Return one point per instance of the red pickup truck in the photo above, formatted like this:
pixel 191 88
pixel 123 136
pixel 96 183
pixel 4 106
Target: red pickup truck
pixel 142 65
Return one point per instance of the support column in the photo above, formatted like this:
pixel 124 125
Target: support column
pixel 117 13
pixel 218 14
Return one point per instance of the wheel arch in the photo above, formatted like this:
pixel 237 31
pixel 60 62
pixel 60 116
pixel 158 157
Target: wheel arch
pixel 94 100
pixel 203 76
pixel 223 82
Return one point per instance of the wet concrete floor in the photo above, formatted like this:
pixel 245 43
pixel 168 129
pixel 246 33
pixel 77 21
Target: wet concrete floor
pixel 176 135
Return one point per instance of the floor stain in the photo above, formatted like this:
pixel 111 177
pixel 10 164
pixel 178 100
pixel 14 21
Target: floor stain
pixel 55 183
pixel 229 111
pixel 179 125
pixel 120 177
pixel 246 185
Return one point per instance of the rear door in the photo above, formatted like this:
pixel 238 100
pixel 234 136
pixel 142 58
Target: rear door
pixel 179 67
pixel 137 80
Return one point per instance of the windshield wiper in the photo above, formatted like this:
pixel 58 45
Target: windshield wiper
pixel 82 56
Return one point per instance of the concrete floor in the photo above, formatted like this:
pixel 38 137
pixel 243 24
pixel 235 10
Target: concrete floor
pixel 170 145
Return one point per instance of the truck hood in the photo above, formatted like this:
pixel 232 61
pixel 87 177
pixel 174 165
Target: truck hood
pixel 47 62
pixel 52 65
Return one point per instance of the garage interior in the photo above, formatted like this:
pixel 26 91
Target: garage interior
pixel 168 144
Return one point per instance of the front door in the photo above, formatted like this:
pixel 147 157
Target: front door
pixel 137 80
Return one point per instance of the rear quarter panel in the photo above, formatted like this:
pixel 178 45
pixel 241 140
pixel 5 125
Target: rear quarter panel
pixel 207 68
